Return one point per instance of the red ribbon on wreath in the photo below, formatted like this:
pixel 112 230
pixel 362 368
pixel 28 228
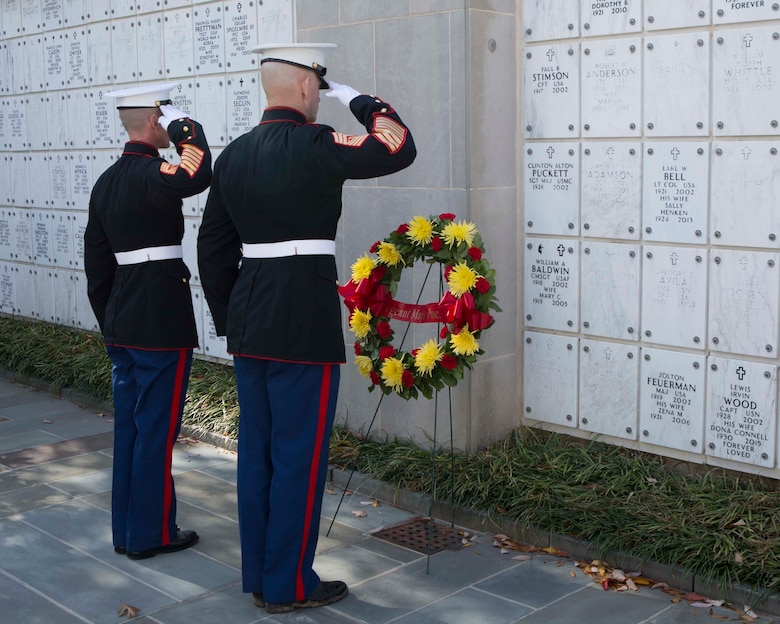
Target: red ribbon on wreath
pixel 370 294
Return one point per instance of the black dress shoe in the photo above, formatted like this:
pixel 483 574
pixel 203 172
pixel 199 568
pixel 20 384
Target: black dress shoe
pixel 326 593
pixel 183 539
pixel 258 598
pixel 120 550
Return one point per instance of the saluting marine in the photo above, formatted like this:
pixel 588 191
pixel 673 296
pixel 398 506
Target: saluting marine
pixel 139 289
pixel 266 255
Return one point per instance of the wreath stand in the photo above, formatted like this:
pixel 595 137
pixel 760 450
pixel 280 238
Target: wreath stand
pixel 466 292
pixel 432 494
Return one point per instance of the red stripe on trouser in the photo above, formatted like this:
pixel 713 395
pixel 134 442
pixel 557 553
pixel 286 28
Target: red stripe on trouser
pixel 322 415
pixel 176 400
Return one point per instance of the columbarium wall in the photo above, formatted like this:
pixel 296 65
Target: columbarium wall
pixel 650 257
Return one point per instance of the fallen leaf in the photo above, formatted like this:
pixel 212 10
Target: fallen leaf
pixel 749 612
pixel 605 584
pixel 522 557
pixel 330 491
pixel 659 586
pixel 693 596
pixel 128 610
pixel 573 573
pixel 703 605
pixel 46 421
pixel 738 558
pixel 373 503
pixel 631 585
pixel 503 551
pixel 376 530
pixel 738 523
pixel 359 513
pixel 618 575
pixel 101 415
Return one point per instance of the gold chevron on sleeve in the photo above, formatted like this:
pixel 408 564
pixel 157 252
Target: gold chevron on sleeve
pixel 390 133
pixel 191 159
pixel 167 168
pixel 349 140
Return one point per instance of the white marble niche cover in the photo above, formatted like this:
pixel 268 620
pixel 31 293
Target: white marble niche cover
pixel 65 312
pixel 611 88
pixel 243 104
pixel 151 58
pixel 7 289
pixel 43 243
pixel 6 233
pixel 677 85
pixel 731 12
pixel 209 38
pixel 551 91
pixel 672 398
pixel 741 411
pixel 99 53
pixel 124 48
pixel 85 317
pixel 609 394
pixel 611 190
pixel 674 292
pixel 550 19
pixel 743 302
pixel 551 284
pixel 745 91
pixel 240 35
pixel 550 378
pixel 744 194
pixel 551 188
pixel 179 43
pixel 675 184
pixel 609 283
pixel 663 14
pixel 611 17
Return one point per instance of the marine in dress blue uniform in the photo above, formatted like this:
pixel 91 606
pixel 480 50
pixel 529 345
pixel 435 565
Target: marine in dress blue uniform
pixel 138 287
pixel 267 265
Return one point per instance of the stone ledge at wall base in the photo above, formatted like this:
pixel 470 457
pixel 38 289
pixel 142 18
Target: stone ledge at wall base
pixel 482 522
pixel 74 396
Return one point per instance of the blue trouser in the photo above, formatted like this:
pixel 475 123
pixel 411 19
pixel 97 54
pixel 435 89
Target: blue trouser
pixel 287 412
pixel 149 391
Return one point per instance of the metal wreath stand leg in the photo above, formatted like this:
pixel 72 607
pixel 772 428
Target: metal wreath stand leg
pixel 432 495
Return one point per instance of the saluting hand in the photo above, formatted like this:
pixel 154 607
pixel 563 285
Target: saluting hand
pixel 343 93
pixel 169 114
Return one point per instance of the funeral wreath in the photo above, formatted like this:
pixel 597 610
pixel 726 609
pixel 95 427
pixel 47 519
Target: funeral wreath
pixel 462 312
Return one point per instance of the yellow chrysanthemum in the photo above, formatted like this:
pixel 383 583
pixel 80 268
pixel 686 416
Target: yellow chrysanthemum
pixel 360 323
pixel 462 279
pixel 392 373
pixel 420 231
pixel 362 268
pixel 388 254
pixel 427 356
pixel 456 233
pixel 364 365
pixel 464 343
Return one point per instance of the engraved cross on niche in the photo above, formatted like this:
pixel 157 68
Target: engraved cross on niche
pixel 741 373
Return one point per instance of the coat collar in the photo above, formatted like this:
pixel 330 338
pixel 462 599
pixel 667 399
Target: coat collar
pixel 279 113
pixel 138 148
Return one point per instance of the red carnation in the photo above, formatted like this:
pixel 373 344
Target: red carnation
pixel 445 331
pixel 446 216
pixel 407 379
pixel 447 271
pixel 475 253
pixel 449 362
pixel 358 349
pixel 386 352
pixel 375 246
pixel 384 330
pixel 378 272
pixel 482 285
pixel 403 228
pixel 374 378
pixel 436 244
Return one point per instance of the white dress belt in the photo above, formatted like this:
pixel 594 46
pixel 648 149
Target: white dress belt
pixel 149 254
pixel 305 247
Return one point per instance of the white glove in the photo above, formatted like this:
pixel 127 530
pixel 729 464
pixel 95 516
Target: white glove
pixel 169 114
pixel 344 93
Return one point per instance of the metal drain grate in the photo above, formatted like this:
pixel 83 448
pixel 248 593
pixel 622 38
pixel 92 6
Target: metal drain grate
pixel 418 533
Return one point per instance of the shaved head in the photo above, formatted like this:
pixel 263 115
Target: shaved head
pixel 134 119
pixel 292 87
